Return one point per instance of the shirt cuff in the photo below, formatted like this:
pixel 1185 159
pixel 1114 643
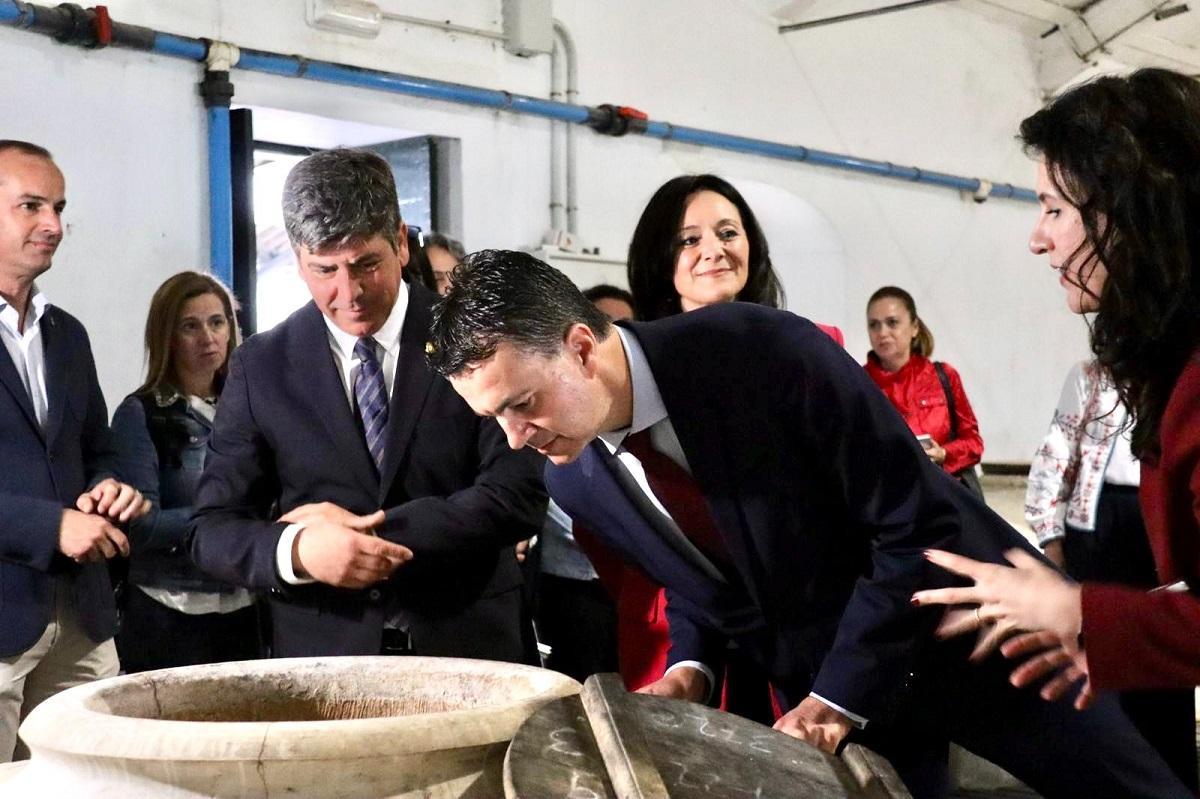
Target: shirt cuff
pixel 705 670
pixel 283 556
pixel 855 719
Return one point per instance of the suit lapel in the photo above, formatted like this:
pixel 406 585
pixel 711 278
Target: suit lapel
pixel 56 355
pixel 411 387
pixel 315 367
pixel 12 382
pixel 708 442
pixel 663 529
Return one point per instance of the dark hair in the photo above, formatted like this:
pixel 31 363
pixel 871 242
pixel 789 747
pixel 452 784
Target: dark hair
pixel 29 148
pixel 418 268
pixel 452 246
pixel 655 244
pixel 163 318
pixel 923 343
pixel 604 291
pixel 1124 152
pixel 335 198
pixel 506 296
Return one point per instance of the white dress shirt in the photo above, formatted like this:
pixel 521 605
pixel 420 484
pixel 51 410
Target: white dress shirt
pixel 649 412
pixel 341 347
pixel 25 347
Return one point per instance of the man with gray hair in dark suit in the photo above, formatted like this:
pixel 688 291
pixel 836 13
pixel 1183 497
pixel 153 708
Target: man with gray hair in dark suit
pixel 399 507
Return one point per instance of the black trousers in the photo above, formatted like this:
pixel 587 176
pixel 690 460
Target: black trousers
pixel 1059 752
pixel 153 636
pixel 1118 551
pixel 579 622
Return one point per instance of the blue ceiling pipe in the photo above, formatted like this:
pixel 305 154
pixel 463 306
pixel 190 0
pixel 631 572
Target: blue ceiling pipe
pixel 605 119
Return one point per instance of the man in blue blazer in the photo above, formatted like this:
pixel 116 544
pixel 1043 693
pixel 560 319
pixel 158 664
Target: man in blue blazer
pixel 344 476
pixel 818 503
pixel 59 503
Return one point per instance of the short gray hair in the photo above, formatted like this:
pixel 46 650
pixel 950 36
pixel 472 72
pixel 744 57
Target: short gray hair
pixel 339 197
pixel 452 246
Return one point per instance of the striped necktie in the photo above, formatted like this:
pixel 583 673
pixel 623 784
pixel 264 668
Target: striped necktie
pixel 371 398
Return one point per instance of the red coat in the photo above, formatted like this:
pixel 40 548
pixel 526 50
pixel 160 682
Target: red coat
pixel 1139 640
pixel 917 393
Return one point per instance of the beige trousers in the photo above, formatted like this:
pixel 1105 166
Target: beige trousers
pixel 64 656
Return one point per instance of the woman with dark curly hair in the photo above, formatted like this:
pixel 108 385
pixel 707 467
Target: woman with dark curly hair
pixel 1120 224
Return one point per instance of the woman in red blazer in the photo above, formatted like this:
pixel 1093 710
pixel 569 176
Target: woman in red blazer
pixel 1120 223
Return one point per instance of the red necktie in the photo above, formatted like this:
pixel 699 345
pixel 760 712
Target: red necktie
pixel 679 494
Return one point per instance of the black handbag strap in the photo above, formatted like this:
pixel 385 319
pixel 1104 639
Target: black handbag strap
pixel 940 368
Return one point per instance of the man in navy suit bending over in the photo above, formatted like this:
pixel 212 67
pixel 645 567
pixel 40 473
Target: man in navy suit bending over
pixel 344 476
pixel 744 461
pixel 59 502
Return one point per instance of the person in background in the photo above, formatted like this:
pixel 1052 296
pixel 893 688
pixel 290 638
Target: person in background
pixel 61 505
pixel 1120 211
pixel 617 303
pixel 172 614
pixel 697 244
pixel 444 254
pixel 1082 505
pixel 418 267
pixel 928 394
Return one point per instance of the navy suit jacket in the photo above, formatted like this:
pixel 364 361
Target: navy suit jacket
pixel 45 471
pixel 823 497
pixel 452 490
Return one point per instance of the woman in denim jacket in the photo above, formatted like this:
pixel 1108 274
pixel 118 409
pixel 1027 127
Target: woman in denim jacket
pixel 173 614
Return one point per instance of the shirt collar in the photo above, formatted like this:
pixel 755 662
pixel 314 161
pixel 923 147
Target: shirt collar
pixel 387 336
pixel 648 407
pixel 37 308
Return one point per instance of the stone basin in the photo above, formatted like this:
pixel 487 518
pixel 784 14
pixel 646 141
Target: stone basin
pixel 361 727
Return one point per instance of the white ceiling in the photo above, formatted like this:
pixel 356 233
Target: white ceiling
pixel 1076 38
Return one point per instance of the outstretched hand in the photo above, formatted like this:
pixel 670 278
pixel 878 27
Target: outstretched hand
pixel 989 634
pixel 1029 595
pixel 1048 658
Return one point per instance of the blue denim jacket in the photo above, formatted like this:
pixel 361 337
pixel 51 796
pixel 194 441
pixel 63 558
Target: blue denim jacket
pixel 158 541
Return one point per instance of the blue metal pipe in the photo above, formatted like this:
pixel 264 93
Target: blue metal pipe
pixel 296 67
pixel 180 46
pixel 790 152
pixel 328 72
pixel 13 14
pixel 220 195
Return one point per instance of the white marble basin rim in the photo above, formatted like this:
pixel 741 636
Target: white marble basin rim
pixel 328 728
pixel 122 717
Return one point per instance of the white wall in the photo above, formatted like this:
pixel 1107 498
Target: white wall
pixel 937 88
